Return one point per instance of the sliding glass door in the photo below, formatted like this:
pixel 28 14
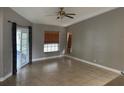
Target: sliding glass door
pixel 22 41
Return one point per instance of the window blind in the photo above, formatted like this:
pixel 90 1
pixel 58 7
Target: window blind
pixel 51 37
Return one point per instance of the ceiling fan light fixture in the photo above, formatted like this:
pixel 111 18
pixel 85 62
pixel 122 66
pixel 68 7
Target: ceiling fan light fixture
pixel 61 14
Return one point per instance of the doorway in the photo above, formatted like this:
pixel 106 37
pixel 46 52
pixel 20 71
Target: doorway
pixel 69 42
pixel 22 44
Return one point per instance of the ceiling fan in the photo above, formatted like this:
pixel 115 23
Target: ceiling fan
pixel 61 14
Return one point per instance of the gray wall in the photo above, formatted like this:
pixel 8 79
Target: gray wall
pixel 100 38
pixel 9 14
pixel 6 41
pixel 38 40
pixel 1 42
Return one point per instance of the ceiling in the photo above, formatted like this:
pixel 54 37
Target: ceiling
pixel 47 15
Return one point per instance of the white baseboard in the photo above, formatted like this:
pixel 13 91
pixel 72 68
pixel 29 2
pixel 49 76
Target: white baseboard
pixel 5 77
pixel 81 60
pixel 94 64
pixel 44 58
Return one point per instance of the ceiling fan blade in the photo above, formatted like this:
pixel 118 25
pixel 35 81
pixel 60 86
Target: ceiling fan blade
pixel 69 16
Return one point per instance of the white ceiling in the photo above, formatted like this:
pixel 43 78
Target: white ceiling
pixel 46 15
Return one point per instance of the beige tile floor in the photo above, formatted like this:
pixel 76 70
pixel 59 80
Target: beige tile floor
pixel 60 72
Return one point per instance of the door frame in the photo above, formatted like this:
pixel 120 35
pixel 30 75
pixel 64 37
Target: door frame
pixel 14 47
pixel 69 42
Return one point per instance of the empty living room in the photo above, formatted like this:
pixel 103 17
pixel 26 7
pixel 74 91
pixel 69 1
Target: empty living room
pixel 61 46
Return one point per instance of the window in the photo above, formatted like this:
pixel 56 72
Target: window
pixel 51 47
pixel 51 41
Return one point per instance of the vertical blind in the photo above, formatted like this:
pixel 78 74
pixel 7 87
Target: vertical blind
pixel 51 37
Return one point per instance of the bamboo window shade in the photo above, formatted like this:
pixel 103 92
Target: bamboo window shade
pixel 51 37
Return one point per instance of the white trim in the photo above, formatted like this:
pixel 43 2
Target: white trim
pixel 94 64
pixel 45 58
pixel 5 77
pixel 81 60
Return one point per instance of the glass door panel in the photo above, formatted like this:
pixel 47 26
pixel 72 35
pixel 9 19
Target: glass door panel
pixel 18 39
pixel 25 48
pixel 22 46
